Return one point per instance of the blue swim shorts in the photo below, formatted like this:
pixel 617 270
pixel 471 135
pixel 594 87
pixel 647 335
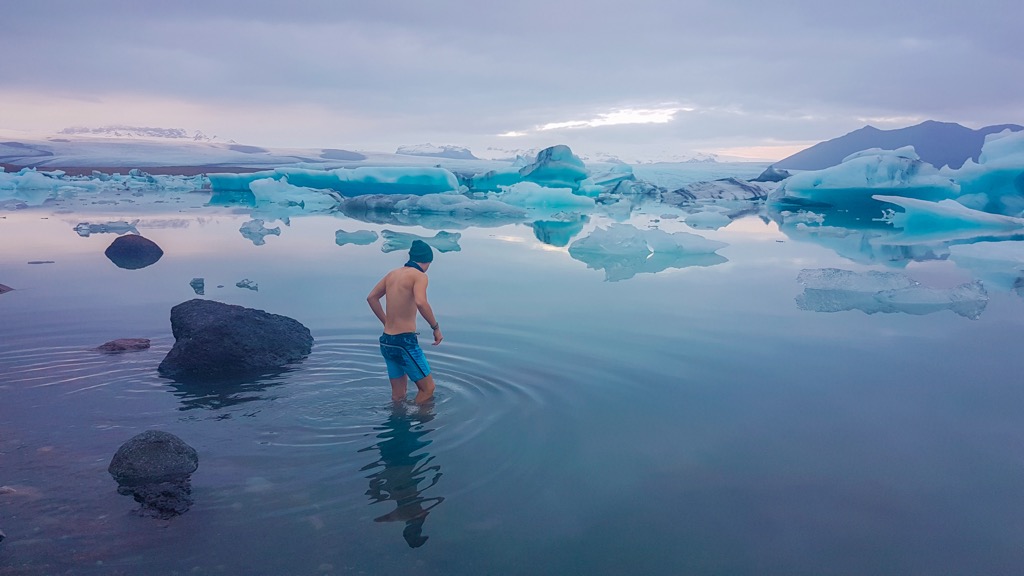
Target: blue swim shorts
pixel 403 355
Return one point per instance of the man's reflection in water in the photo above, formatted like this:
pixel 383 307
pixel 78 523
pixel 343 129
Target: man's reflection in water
pixel 402 466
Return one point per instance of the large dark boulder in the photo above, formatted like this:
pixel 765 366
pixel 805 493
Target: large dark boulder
pixel 155 468
pixel 132 252
pixel 216 341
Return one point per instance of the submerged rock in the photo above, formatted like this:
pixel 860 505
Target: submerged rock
pixel 216 341
pixel 155 468
pixel 132 252
pixel 125 345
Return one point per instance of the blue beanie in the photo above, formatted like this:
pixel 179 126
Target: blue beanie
pixel 421 252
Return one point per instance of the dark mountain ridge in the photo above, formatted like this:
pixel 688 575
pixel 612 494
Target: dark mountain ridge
pixel 938 143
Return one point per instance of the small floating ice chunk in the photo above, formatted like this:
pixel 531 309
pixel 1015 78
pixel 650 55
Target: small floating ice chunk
pixel 623 251
pixel 84 229
pixel 248 284
pixel 836 290
pixel 198 286
pixel 708 220
pixel 442 241
pixel 359 237
pixel 255 231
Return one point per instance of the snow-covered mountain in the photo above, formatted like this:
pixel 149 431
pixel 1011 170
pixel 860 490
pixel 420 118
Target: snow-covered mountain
pixel 135 132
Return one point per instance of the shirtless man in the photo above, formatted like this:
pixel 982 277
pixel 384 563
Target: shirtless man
pixel 405 290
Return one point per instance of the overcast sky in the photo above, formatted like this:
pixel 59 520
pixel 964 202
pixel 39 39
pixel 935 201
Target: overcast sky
pixel 640 78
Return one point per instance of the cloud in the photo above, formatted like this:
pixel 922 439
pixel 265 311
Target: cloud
pixel 390 73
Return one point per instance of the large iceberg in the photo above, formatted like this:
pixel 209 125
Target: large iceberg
pixel 836 290
pixel 623 251
pixel 852 184
pixel 556 167
pixel 923 221
pixel 996 182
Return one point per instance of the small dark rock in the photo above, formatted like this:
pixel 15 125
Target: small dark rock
pixel 155 468
pixel 151 457
pixel 216 341
pixel 5 288
pixel 2 535
pixel 125 345
pixel 132 252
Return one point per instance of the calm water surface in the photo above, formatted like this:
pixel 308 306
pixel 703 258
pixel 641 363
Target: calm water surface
pixel 689 421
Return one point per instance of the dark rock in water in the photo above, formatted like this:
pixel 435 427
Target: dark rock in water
pixel 151 457
pixel 155 468
pixel 772 174
pixel 4 288
pixel 2 535
pixel 125 345
pixel 132 252
pixel 216 341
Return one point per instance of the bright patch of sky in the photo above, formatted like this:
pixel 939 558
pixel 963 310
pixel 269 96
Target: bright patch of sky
pixel 757 78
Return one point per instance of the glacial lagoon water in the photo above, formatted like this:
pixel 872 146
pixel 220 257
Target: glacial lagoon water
pixel 690 416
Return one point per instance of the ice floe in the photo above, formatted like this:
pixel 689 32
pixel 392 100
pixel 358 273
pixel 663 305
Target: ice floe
pixel 442 241
pixel 623 251
pixel 837 290
pixel 255 231
pixel 359 237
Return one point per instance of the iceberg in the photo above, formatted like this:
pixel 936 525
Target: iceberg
pixel 996 182
pixel 623 251
pixel 708 219
pixel 724 189
pixel 556 167
pixel 416 181
pixel 535 197
pixel 255 231
pixel 946 220
pixel 836 290
pixel 248 285
pixel 442 241
pixel 269 193
pixel 861 175
pixel 433 211
pixel 359 237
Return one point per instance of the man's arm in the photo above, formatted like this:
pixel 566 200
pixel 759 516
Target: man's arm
pixel 374 300
pixel 419 291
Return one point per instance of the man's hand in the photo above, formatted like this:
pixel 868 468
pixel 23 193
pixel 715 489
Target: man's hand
pixel 437 336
